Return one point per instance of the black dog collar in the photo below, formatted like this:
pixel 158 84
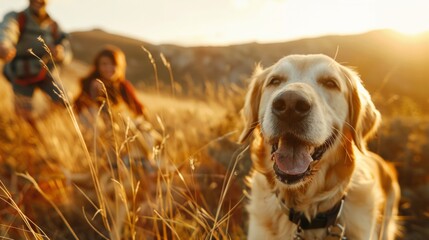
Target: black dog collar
pixel 322 220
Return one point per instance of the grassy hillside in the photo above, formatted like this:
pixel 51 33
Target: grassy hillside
pixel 392 65
pixel 76 177
pixel 100 182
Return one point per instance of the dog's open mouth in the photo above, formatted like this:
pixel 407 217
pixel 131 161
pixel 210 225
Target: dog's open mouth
pixel 292 157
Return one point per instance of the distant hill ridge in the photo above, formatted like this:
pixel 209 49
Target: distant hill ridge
pixel 389 63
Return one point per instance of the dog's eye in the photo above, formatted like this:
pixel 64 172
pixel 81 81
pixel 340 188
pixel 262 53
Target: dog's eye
pixel 274 81
pixel 329 83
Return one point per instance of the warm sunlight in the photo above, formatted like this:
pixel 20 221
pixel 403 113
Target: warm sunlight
pixel 214 119
pixel 408 17
pixel 286 20
pixel 226 22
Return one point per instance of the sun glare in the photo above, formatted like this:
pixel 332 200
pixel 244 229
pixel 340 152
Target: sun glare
pixel 411 28
pixel 240 4
pixel 407 17
pixel 240 20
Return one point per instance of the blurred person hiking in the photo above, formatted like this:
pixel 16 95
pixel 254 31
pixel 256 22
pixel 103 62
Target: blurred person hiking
pixel 106 81
pixel 19 32
pixel 105 87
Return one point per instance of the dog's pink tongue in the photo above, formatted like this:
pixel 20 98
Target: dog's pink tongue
pixel 292 159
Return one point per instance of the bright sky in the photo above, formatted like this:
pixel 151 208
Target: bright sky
pixel 221 22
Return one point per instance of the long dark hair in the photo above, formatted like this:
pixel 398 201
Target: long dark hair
pixel 118 58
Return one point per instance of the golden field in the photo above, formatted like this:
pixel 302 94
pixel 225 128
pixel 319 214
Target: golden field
pixel 85 177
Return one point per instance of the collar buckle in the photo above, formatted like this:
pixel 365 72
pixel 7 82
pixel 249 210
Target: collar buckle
pixel 336 232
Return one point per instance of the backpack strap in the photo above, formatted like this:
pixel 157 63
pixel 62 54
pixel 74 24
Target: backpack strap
pixel 8 68
pixel 22 20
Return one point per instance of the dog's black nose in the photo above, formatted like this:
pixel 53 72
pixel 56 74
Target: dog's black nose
pixel 291 105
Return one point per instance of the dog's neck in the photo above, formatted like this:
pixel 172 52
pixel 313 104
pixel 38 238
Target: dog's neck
pixel 324 220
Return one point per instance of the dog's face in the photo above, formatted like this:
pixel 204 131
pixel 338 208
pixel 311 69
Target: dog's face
pixel 302 105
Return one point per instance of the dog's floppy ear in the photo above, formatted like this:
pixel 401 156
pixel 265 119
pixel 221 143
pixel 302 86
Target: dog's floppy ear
pixel 364 118
pixel 251 104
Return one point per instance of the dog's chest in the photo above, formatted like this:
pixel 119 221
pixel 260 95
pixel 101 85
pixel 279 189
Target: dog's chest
pixel 267 219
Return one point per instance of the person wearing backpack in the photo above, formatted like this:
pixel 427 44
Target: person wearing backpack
pixel 19 32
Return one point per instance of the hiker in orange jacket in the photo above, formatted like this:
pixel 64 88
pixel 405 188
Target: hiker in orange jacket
pixel 108 69
pixel 19 32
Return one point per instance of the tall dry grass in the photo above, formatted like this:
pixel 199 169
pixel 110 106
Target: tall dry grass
pixel 97 175
pixel 103 175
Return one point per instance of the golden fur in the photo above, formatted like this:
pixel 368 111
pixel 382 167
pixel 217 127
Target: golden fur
pixel 341 106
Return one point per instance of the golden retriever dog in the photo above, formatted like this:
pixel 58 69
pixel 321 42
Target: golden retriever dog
pixel 313 177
